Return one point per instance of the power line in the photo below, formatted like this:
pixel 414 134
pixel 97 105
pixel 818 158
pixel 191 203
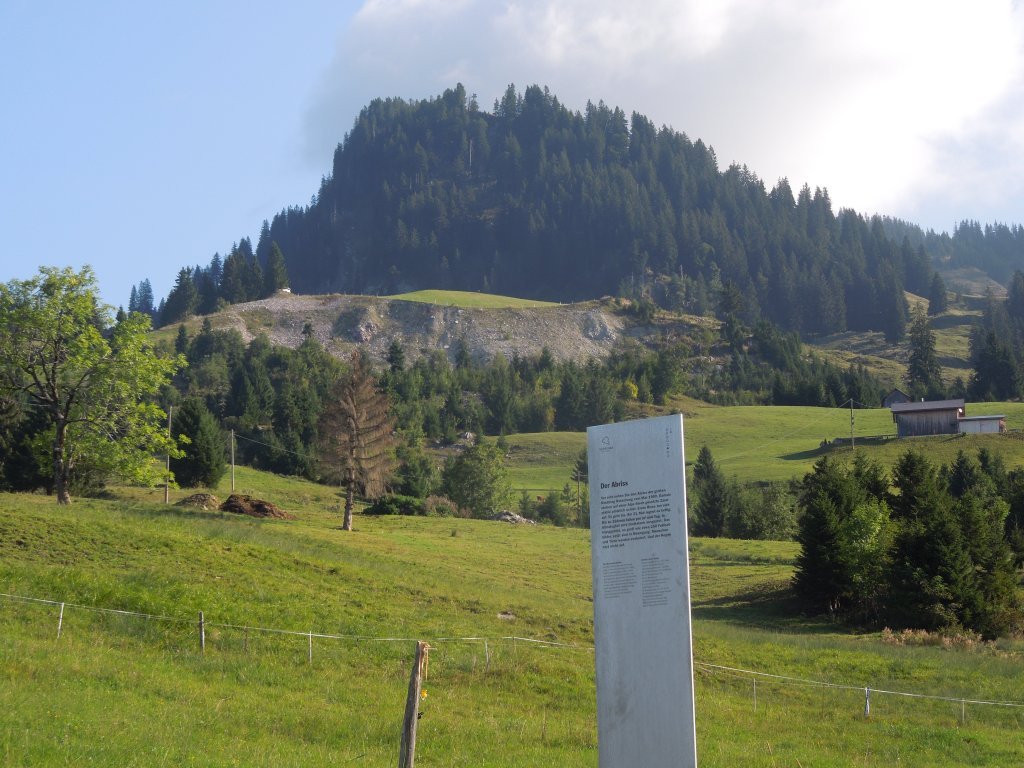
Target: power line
pixel 275 447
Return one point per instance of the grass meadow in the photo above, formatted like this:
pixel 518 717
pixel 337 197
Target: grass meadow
pixel 471 300
pixel 121 689
pixel 753 443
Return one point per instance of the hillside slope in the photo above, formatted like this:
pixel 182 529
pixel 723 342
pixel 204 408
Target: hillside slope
pixel 122 688
pixel 341 322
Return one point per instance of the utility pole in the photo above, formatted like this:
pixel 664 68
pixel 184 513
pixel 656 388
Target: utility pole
pixel 167 474
pixel 853 445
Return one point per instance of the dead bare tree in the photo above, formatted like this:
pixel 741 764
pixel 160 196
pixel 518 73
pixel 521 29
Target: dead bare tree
pixel 357 436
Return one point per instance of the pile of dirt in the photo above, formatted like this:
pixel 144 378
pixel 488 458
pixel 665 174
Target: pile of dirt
pixel 204 501
pixel 247 505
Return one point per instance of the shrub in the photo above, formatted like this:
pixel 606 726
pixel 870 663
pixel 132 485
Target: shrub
pixel 397 505
pixel 441 506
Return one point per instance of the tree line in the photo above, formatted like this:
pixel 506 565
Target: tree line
pixel 243 275
pixel 535 200
pixel 917 546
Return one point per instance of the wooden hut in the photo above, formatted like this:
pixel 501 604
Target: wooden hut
pixel 895 397
pixel 935 417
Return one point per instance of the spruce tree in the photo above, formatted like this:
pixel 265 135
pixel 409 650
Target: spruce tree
pixel 275 275
pixel 203 462
pixel 924 373
pixel 938 302
pixel 713 497
pixel 145 303
pixel 182 299
pixel 357 436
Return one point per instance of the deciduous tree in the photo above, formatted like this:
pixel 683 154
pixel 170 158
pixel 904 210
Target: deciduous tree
pixel 477 480
pixel 95 381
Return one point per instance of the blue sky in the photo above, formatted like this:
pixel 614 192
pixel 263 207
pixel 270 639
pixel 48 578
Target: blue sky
pixel 140 137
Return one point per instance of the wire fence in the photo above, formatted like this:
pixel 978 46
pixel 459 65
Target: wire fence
pixel 200 626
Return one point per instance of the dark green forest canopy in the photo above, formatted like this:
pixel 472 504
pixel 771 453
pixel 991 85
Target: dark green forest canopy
pixel 533 199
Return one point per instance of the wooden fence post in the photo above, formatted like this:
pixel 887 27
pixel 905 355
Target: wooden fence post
pixel 407 754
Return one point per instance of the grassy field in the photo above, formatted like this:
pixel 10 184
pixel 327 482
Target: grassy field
pixel 121 689
pixel 889 362
pixel 471 300
pixel 758 443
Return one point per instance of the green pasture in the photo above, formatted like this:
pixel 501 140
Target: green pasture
pixel 470 300
pixel 755 443
pixel 120 689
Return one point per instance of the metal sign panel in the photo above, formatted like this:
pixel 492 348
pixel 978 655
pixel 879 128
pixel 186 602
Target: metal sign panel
pixel 643 647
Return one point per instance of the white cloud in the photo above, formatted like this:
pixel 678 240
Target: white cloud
pixel 895 107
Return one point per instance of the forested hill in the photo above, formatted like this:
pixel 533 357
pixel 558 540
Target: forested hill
pixel 532 199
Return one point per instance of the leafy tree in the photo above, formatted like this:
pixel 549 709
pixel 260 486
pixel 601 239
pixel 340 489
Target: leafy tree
pixel 416 475
pixel 202 460
pixel 477 480
pixel 766 512
pixel 94 382
pixel 357 436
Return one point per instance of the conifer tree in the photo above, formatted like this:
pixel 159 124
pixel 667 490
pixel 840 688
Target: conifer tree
pixel 938 302
pixel 182 299
pixel 202 462
pixel 275 276
pixel 357 436
pixel 713 496
pixel 924 373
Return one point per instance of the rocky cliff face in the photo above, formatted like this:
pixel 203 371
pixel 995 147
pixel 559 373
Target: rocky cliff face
pixel 571 332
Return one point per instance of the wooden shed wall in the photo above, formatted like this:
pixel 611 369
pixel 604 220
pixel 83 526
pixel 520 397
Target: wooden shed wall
pixel 926 423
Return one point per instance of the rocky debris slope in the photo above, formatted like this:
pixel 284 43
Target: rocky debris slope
pixel 340 322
